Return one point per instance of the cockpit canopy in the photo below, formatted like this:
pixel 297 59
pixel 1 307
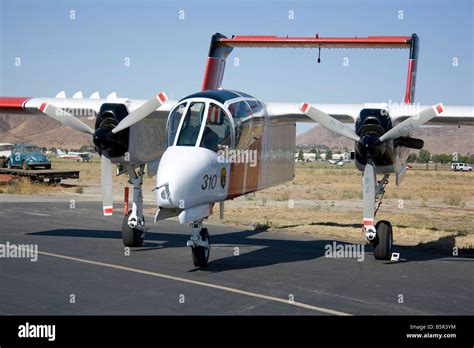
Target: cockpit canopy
pixel 215 119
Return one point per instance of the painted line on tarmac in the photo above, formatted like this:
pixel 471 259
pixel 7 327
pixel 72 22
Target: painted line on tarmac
pixel 204 284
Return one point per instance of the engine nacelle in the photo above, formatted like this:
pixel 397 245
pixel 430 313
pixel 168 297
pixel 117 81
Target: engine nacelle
pixel 109 116
pixel 143 142
pixel 370 126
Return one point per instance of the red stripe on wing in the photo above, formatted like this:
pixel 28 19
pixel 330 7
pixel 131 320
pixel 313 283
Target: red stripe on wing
pixel 13 102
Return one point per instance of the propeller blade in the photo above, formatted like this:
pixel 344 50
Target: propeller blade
pixel 143 111
pixel 65 118
pixel 106 184
pixel 368 194
pixel 413 122
pixel 329 122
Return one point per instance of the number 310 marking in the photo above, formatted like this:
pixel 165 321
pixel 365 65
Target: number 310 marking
pixel 209 182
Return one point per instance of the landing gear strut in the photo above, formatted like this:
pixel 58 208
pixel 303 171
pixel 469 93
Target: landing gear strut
pixel 133 226
pixel 379 235
pixel 200 244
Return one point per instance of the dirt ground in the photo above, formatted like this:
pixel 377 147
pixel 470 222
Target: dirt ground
pixel 433 207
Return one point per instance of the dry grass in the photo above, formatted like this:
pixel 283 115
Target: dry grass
pixel 23 186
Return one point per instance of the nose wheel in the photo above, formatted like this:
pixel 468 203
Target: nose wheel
pixel 200 244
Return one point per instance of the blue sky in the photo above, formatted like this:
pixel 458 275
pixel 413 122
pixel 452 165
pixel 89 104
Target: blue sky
pixel 168 53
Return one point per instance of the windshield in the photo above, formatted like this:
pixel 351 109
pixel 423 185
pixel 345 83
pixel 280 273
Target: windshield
pixel 6 147
pixel 189 132
pixel 32 149
pixel 174 120
pixel 218 129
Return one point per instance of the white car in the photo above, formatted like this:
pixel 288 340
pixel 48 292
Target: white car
pixel 5 152
pixel 461 167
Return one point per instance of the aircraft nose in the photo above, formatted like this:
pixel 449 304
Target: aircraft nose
pixel 180 175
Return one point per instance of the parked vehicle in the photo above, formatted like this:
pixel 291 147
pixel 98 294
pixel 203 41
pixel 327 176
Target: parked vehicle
pixel 5 152
pixel 461 167
pixel 28 156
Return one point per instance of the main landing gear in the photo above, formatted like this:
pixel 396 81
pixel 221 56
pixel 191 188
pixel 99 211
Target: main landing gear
pixel 380 235
pixel 383 242
pixel 133 225
pixel 200 244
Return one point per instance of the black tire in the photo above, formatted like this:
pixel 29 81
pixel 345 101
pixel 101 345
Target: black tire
pixel 131 237
pixel 383 245
pixel 201 254
pixel 25 166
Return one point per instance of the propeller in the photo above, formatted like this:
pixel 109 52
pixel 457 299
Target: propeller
pixel 396 132
pixel 329 122
pixel 71 121
pixel 65 118
pixel 372 145
pixel 413 122
pixel 106 185
pixel 140 113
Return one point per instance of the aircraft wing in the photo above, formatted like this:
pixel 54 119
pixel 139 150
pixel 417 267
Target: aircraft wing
pixel 281 113
pixel 79 107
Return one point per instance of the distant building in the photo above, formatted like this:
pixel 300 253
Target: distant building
pixel 308 157
pixel 345 156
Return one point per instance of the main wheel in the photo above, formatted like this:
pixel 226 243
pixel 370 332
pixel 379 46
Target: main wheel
pixel 131 237
pixel 383 245
pixel 25 165
pixel 200 253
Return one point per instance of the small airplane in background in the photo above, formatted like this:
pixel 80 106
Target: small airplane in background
pixel 201 147
pixel 337 162
pixel 78 156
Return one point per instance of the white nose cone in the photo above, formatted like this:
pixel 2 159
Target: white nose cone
pixel 181 174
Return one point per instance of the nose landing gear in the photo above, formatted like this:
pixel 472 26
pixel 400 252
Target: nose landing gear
pixel 200 244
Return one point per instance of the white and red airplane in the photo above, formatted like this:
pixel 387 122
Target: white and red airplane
pixel 78 156
pixel 220 144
